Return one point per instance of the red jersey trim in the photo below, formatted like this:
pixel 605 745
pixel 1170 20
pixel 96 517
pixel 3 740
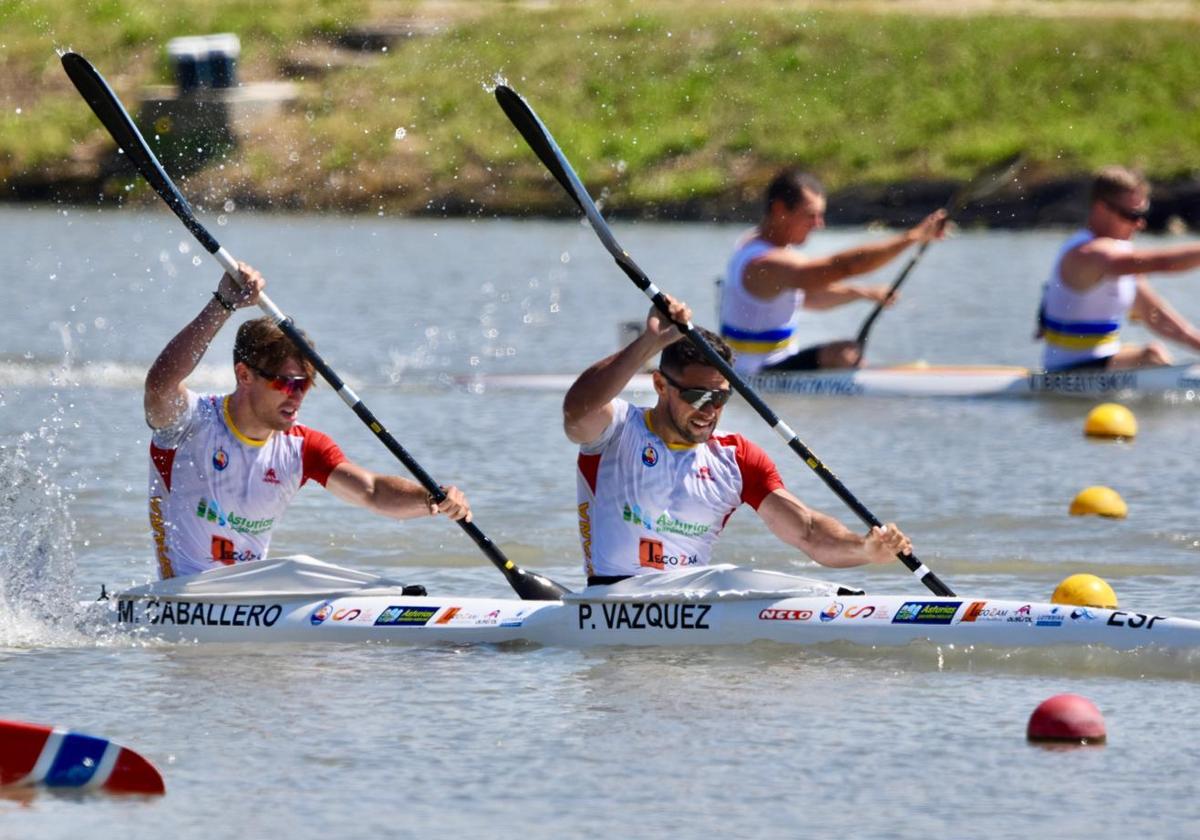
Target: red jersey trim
pixel 589 467
pixel 760 478
pixel 319 454
pixel 163 459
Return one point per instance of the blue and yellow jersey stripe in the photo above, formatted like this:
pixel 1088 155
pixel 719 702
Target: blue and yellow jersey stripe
pixel 755 341
pixel 1080 335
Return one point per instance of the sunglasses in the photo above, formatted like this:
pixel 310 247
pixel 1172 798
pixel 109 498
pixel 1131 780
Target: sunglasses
pixel 290 385
pixel 1129 215
pixel 699 397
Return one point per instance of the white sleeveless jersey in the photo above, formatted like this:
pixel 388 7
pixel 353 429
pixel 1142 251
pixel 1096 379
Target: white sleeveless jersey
pixel 1081 326
pixel 761 332
pixel 215 494
pixel 645 506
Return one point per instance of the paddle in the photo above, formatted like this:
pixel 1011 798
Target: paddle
pixel 101 99
pixel 539 139
pixel 984 184
pixel 31 754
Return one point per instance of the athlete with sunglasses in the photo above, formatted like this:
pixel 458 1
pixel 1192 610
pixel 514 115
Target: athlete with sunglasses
pixel 656 485
pixel 225 467
pixel 1098 280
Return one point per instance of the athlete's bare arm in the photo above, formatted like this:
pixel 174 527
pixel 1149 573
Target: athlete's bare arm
pixel 165 396
pixel 783 269
pixel 826 540
pixel 392 495
pixel 587 407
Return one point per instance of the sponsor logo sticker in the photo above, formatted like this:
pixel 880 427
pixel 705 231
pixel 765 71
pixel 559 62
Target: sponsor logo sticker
pixel 1054 618
pixel 972 612
pixel 401 616
pixel 832 611
pixel 926 612
pixel 321 613
pixel 784 615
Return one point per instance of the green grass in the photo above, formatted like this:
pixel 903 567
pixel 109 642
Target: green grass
pixel 655 102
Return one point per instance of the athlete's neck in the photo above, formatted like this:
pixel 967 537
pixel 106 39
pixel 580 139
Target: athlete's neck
pixel 244 424
pixel 775 233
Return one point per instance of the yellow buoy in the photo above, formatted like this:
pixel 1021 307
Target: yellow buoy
pixel 1110 420
pixel 1099 501
pixel 1085 591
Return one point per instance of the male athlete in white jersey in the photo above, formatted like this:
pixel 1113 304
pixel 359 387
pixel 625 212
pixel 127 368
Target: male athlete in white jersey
pixel 225 467
pixel 768 282
pixel 1098 280
pixel 657 485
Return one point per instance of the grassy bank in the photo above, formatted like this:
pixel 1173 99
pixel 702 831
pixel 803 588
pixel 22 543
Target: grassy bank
pixel 654 102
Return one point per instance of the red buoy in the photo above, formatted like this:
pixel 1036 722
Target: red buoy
pixel 1067 718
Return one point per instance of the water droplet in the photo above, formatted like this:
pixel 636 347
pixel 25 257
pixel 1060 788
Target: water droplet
pixel 196 260
pixel 565 258
pixel 401 133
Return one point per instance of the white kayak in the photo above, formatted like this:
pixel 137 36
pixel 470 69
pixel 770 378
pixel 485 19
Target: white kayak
pixel 920 379
pixel 300 599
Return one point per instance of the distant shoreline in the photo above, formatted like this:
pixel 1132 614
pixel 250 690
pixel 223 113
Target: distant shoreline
pixel 1054 203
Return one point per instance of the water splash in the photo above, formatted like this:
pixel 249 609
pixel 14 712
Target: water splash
pixel 497 80
pixel 37 563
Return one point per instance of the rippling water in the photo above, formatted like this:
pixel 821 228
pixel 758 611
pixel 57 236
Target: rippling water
pixel 519 741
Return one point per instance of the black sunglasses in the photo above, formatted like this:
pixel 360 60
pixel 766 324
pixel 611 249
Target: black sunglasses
pixel 285 384
pixel 698 397
pixel 1129 215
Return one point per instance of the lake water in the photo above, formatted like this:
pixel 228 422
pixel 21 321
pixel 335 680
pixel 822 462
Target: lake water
pixel 540 743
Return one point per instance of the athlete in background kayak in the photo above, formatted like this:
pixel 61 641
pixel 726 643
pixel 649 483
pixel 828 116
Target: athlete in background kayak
pixel 225 467
pixel 767 282
pixel 1098 280
pixel 657 485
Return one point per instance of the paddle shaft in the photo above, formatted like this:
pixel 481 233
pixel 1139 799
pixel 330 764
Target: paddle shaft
pixel 980 186
pixel 540 140
pixel 105 104
pixel 864 331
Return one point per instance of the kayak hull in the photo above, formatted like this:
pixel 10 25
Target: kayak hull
pixel 919 380
pixel 636 615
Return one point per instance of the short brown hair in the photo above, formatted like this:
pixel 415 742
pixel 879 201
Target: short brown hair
pixel 789 187
pixel 682 353
pixel 1112 182
pixel 261 344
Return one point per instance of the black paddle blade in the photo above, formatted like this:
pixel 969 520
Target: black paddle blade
pixel 108 108
pixel 531 586
pixel 987 181
pixel 537 136
pixel 542 142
